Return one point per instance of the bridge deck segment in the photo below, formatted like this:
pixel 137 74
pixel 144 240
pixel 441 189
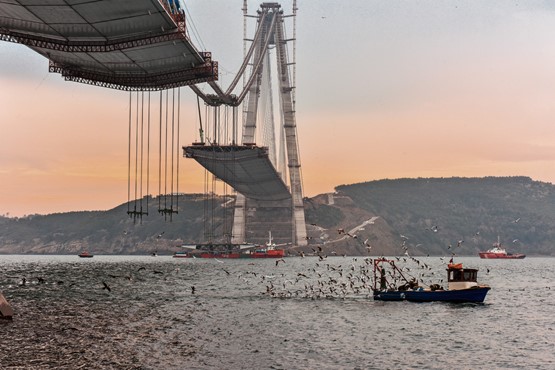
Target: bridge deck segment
pixel 246 168
pixel 129 45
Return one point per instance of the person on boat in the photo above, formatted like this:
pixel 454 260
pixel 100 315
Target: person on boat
pixel 435 287
pixel 383 283
pixel 413 284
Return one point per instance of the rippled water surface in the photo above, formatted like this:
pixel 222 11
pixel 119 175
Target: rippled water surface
pixel 150 318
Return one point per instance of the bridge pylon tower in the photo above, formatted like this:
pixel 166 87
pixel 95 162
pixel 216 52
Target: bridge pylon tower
pixel 271 24
pixel 271 200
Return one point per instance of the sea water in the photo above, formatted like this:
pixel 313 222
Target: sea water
pixel 256 314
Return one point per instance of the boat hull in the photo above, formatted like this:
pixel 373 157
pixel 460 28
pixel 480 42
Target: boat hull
pixel 488 255
pixel 220 255
pixel 85 255
pixel 275 253
pixel 474 295
pixel 230 255
pixel 471 295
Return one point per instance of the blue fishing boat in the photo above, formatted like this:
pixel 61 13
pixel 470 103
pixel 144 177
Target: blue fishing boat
pixel 473 295
pixel 462 285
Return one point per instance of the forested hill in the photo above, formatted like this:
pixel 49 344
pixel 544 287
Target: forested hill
pixel 477 210
pixel 112 231
pixel 428 215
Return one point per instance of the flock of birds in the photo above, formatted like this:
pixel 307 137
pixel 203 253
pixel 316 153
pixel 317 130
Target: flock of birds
pixel 329 280
pixel 322 280
pixel 342 277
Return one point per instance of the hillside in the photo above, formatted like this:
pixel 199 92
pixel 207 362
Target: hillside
pixel 427 214
pixel 113 231
pixel 475 210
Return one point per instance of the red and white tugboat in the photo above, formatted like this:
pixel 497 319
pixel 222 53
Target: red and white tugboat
pixel 269 251
pixel 85 254
pixel 498 252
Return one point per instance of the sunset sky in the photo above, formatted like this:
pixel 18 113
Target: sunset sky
pixel 385 89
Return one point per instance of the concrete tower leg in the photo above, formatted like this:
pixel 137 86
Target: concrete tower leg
pixel 239 221
pixel 290 128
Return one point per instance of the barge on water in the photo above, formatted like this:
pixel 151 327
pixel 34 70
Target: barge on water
pixel 231 250
pixel 215 250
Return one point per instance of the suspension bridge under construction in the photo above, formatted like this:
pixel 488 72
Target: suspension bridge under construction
pixel 143 47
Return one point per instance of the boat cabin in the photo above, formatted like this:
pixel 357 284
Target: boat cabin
pixel 461 278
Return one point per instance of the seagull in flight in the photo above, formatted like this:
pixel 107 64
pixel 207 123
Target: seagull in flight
pixel 106 287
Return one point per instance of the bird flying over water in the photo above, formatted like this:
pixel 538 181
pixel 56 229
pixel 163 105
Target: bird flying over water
pixel 106 287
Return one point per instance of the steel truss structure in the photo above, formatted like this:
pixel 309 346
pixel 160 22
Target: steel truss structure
pixel 128 44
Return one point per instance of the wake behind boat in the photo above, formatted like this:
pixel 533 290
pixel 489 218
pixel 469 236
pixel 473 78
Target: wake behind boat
pixel 497 252
pixel 462 285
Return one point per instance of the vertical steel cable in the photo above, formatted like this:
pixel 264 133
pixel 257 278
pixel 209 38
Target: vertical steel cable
pixel 148 156
pixel 136 154
pixel 160 160
pixel 129 161
pixel 227 224
pixel 166 159
pixel 205 205
pixel 178 154
pixel 213 207
pixel 172 150
pixel 142 151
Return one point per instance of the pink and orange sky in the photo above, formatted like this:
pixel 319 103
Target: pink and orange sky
pixel 385 89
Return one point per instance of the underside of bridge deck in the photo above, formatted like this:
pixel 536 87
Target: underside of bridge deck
pixel 127 45
pixel 246 168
